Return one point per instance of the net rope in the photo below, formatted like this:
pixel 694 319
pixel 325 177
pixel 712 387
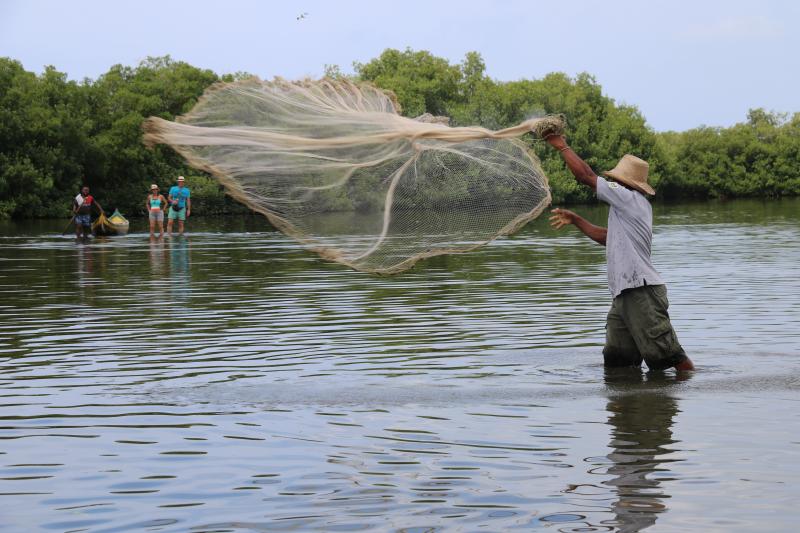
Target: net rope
pixel 334 165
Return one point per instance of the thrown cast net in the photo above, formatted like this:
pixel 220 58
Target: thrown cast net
pixel 334 165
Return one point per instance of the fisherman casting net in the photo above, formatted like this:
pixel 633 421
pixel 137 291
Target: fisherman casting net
pixel 412 188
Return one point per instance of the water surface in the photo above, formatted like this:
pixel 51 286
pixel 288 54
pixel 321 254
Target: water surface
pixel 230 381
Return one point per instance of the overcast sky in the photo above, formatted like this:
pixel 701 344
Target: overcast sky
pixel 683 63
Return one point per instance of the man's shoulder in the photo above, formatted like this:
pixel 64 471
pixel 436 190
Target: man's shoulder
pixel 615 194
pixel 605 189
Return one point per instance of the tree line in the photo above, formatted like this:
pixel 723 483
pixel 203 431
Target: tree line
pixel 56 134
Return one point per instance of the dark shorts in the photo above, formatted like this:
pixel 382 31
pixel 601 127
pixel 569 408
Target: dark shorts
pixel 638 328
pixel 83 220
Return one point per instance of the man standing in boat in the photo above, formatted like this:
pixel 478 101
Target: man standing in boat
pixel 82 206
pixel 638 325
pixel 180 205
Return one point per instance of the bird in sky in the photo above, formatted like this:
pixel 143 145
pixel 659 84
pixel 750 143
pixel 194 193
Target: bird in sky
pixel 301 16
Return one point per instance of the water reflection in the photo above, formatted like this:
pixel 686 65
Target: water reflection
pixel 85 292
pixel 179 271
pixel 641 414
pixel 85 266
pixel 158 257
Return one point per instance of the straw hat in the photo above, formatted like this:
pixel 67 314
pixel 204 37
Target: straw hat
pixel 153 186
pixel 181 178
pixel 632 171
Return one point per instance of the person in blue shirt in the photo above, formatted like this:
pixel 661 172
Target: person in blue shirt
pixel 180 205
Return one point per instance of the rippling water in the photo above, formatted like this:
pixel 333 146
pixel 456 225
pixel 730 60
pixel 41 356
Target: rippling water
pixel 230 381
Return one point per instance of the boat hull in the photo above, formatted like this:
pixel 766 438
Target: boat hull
pixel 116 224
pixel 111 229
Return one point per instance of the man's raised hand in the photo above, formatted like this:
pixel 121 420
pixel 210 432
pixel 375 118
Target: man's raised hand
pixel 559 142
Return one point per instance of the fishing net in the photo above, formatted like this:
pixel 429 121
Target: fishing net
pixel 334 165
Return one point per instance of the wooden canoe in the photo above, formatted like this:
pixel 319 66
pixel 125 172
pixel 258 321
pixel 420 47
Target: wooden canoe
pixel 116 224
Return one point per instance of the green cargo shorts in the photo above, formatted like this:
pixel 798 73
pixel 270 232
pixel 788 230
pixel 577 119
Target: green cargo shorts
pixel 638 328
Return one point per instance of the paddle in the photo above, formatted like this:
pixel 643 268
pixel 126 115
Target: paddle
pixel 69 224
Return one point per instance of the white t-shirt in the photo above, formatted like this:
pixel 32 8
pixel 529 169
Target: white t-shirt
pixel 629 238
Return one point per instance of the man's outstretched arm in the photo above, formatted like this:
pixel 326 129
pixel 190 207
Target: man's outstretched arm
pixel 582 172
pixel 562 217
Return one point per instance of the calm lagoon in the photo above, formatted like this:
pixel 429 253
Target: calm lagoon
pixel 231 381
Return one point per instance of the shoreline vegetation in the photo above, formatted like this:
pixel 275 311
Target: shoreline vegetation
pixel 54 131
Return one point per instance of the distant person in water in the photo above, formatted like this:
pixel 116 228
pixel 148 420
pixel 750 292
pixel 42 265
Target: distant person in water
pixel 638 325
pixel 156 203
pixel 82 206
pixel 180 205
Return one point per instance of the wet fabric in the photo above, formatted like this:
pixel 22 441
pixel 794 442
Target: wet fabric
pixel 638 328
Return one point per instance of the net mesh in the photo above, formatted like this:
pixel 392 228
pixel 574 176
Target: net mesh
pixel 393 190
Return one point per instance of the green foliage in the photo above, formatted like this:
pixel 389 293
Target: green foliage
pixel 57 134
pixel 43 136
pixel 208 197
pixel 599 130
pixel 421 81
pixel 122 168
pixel 755 158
